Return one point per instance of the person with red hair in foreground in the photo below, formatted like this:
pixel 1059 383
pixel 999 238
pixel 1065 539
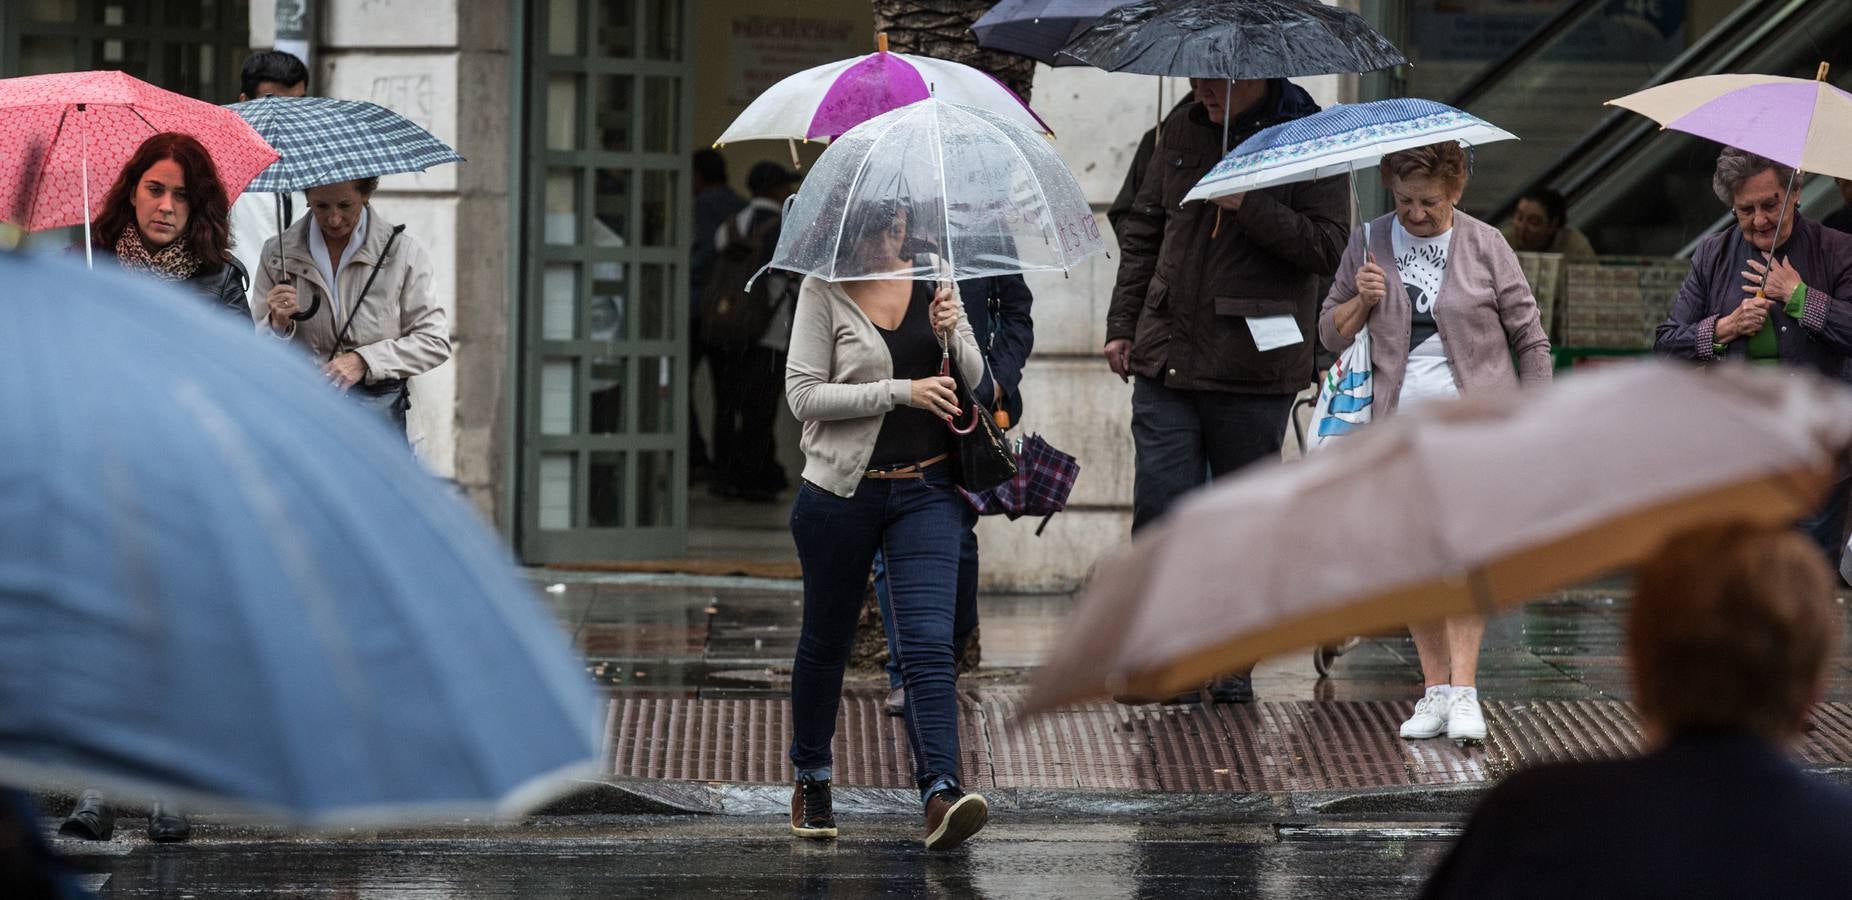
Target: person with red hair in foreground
pixel 1732 635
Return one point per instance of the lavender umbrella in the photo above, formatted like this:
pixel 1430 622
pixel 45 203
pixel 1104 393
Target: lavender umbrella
pixel 1805 125
pixel 1801 123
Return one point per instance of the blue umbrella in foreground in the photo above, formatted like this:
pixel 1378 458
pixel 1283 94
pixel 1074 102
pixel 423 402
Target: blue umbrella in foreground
pixel 219 579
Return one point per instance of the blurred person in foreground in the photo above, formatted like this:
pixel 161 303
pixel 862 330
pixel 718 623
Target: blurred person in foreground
pixel 1213 303
pixel 1732 636
pixel 1541 225
pixel 368 294
pixel 1769 299
pixel 863 375
pixel 266 73
pixel 1450 315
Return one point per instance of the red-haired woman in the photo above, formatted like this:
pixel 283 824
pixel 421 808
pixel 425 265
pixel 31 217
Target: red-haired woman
pixel 1451 314
pixel 168 215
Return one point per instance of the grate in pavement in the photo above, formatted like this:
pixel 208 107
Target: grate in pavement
pixel 1295 746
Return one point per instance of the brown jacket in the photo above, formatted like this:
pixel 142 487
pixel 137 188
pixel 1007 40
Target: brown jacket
pixel 1485 313
pixel 1182 297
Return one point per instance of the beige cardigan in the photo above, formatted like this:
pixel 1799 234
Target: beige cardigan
pixel 401 330
pixel 839 381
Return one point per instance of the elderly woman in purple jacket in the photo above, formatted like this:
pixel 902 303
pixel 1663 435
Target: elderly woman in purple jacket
pixel 1449 314
pixel 1768 299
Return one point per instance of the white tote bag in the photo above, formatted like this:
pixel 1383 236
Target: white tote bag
pixel 1344 395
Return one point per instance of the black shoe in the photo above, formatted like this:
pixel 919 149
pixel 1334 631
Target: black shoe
pixel 1185 698
pixel 166 825
pixel 1232 689
pixel 811 815
pixel 91 820
pixel 896 702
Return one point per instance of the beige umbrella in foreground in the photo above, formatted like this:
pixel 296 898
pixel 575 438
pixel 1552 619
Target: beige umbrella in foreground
pixel 1471 506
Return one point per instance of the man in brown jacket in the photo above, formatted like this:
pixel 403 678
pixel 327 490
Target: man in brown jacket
pixel 1215 307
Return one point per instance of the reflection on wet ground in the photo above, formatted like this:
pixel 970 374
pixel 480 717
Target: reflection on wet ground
pixel 738 641
pixel 878 858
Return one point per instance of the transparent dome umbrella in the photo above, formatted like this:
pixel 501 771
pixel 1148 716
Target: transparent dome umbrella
pixel 937 190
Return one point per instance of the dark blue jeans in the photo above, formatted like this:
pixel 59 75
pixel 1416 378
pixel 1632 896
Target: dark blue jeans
pixel 915 524
pixel 964 617
pixel 1182 438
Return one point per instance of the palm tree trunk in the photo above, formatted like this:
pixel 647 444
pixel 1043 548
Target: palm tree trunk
pixel 942 29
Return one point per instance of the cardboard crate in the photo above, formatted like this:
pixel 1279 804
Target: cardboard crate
pixel 1617 302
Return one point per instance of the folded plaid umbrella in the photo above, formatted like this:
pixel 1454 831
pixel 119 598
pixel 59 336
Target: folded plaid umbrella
pixel 1044 479
pixel 324 141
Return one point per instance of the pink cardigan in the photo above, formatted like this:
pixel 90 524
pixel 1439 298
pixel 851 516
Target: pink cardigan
pixel 1485 313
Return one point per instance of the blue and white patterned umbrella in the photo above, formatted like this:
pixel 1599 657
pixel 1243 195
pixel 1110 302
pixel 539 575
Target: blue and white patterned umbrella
pixel 323 141
pixel 1338 141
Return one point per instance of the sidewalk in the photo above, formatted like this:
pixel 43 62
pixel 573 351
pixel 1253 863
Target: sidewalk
pixel 698 671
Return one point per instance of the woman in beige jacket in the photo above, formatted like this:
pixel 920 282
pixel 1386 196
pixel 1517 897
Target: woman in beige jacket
pixel 355 292
pixel 864 377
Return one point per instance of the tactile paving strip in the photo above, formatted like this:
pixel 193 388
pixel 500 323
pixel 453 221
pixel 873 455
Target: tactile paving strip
pixel 1299 746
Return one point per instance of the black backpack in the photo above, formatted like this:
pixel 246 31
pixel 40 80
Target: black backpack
pixel 729 315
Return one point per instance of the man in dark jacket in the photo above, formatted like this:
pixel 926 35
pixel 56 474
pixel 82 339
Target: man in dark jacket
pixel 1731 638
pixel 1215 302
pixel 999 310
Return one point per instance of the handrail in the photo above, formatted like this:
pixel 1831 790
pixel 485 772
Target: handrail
pixel 1535 44
pixel 1620 130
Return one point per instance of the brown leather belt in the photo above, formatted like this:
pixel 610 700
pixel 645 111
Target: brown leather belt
pixel 910 470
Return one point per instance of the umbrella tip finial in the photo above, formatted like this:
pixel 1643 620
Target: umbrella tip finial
pixel 1822 75
pixel 880 42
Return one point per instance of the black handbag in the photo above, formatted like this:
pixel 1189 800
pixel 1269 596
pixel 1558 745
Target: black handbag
pixel 978 456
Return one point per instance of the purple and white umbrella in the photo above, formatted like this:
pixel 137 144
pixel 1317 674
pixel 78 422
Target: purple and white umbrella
pixel 823 102
pixel 1801 123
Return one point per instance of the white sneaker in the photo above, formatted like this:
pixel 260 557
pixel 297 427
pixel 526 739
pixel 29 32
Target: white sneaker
pixel 1464 721
pixel 1430 716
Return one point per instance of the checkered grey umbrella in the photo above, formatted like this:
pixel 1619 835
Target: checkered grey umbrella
pixel 323 141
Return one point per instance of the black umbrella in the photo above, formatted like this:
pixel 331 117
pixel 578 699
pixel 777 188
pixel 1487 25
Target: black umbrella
pixel 1233 39
pixel 1039 28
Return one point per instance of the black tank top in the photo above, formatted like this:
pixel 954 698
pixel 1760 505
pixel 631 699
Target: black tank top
pixel 909 435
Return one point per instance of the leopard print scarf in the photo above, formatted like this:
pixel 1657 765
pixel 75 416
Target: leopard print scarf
pixel 174 262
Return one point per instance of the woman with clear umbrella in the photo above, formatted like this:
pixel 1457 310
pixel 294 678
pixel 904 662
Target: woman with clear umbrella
pixel 1449 314
pixel 864 376
pixel 897 210
pixel 358 294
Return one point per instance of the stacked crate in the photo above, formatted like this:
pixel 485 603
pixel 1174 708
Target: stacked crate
pixel 1617 302
pixel 1544 272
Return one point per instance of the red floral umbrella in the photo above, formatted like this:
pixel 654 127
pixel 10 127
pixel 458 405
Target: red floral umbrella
pixel 65 137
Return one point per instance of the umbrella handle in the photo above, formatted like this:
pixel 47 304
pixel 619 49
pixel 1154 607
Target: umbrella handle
pixel 315 303
pixel 951 422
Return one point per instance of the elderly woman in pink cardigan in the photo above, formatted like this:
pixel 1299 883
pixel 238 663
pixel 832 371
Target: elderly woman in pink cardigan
pixel 1449 313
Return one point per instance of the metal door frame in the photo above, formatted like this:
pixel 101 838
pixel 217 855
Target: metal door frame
pixel 580 542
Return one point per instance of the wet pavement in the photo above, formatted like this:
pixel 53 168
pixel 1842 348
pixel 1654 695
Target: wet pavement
pixel 698 671
pixel 744 858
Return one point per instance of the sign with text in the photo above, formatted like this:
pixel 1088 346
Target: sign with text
pixel 765 49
